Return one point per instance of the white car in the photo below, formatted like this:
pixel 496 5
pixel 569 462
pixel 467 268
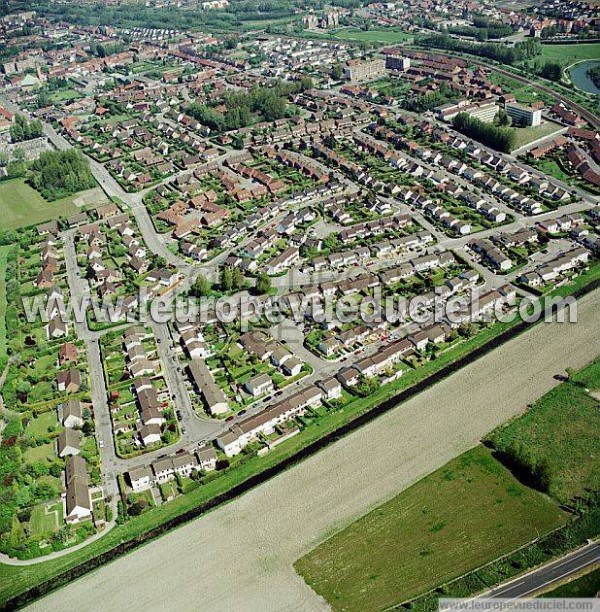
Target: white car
pixel 101 443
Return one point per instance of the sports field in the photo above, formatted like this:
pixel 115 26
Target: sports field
pixel 21 205
pixel 387 36
pixel 462 516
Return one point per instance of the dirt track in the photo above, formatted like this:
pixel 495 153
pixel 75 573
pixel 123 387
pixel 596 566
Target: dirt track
pixel 240 556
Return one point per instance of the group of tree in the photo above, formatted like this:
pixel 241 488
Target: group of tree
pixel 594 74
pixel 495 136
pixel 202 286
pixel 263 283
pixel 425 102
pixel 57 174
pixel 138 15
pixel 22 129
pixel 231 279
pixel 495 51
pixel 552 71
pixel 482 34
pixel 267 103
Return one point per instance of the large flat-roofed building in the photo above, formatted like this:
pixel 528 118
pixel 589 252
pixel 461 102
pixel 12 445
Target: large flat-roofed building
pixel 365 70
pixel 524 115
pixel 484 111
pixel 397 63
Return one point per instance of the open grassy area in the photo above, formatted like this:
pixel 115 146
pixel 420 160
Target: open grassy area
pixel 557 443
pixel 387 36
pixel 462 516
pixel 21 205
pixel 40 426
pixel 567 54
pixel 40 453
pixel 551 167
pixel 43 522
pixel 584 586
pixel 525 135
pixel 64 95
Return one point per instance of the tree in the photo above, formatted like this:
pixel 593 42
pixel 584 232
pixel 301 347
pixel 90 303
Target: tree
pixel 499 138
pixel 201 286
pixel 226 280
pixel 57 174
pixel 503 119
pixel 552 71
pixel 238 142
pixel 337 71
pixel 263 283
pixel 22 129
pixel 237 278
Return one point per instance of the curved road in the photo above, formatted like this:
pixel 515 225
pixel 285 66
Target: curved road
pixel 240 556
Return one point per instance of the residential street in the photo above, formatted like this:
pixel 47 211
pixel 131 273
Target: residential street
pixel 251 543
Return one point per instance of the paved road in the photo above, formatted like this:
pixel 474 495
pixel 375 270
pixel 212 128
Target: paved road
pixel 543 577
pixel 197 427
pixel 98 392
pixel 240 556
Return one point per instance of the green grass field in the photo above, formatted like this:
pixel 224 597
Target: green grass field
pixel 462 516
pixel 387 36
pixel 525 135
pixel 39 426
pixel 568 54
pixel 40 453
pixel 551 167
pixel 557 441
pixel 64 95
pixel 585 586
pixel 42 523
pixel 21 205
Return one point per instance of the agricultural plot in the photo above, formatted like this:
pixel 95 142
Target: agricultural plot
pixel 21 205
pixel 555 445
pixel 418 540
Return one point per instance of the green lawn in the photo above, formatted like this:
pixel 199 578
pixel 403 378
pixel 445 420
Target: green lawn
pixel 64 95
pixel 551 167
pixel 568 54
pixel 41 522
pixel 21 205
pixel 585 586
pixel 557 443
pixel 525 135
pixel 462 516
pixel 387 36
pixel 39 426
pixel 40 453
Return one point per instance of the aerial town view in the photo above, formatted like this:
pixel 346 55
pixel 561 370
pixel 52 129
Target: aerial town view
pixel 299 304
